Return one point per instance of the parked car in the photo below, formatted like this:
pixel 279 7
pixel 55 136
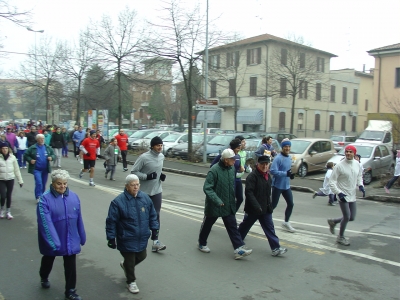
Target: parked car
pixel 376 159
pixel 144 143
pixel 138 135
pixel 252 145
pixel 172 140
pixel 279 136
pixel 181 150
pixel 310 154
pixel 340 141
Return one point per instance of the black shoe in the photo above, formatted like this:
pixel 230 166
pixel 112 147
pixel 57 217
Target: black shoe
pixel 45 283
pixel 71 295
pixel 125 169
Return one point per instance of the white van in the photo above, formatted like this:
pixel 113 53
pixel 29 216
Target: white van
pixel 377 132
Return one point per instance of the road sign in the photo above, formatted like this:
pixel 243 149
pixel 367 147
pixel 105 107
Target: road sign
pixel 206 107
pixel 148 117
pixel 207 102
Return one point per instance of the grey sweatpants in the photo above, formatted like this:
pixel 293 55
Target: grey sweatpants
pixel 349 211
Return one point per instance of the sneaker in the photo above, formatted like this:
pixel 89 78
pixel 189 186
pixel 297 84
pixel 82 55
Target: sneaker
pixel 1 213
pixel 105 175
pixel 331 203
pixel 158 247
pixel 279 251
pixel 331 226
pixel 342 241
pixel 91 183
pixel 242 252
pixel 123 268
pixel 72 295
pixel 112 179
pixel 315 195
pixel 80 174
pixel 59 166
pixel 132 287
pixel 45 283
pixel 387 190
pixel 24 167
pixel 286 226
pixel 81 161
pixel 204 249
pixel 125 169
pixel 9 216
pixel 77 157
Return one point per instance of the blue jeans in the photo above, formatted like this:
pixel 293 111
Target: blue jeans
pixel 65 151
pixel 21 159
pixel 40 182
pixel 287 195
pixel 391 182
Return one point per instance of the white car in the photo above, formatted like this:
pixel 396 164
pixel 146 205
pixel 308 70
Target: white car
pixel 144 143
pixel 172 140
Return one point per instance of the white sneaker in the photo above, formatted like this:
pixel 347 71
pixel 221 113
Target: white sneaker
pixel 132 287
pixel 286 226
pixel 242 252
pixel 77 157
pixel 204 249
pixel 9 216
pixel 1 213
pixel 81 161
pixel 91 183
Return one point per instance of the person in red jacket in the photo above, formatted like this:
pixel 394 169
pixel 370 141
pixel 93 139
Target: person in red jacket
pixel 122 141
pixel 91 148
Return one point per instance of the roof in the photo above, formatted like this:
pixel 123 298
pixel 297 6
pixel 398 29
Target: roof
pixel 395 48
pixel 267 38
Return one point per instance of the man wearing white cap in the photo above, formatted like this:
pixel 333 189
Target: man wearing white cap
pixel 220 202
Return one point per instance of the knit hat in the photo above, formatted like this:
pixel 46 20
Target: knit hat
pixel 3 144
pixel 155 141
pixel 286 142
pixel 92 132
pixel 227 153
pixel 264 159
pixel 351 148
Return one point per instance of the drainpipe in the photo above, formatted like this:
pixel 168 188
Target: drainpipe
pixel 266 88
pixel 379 82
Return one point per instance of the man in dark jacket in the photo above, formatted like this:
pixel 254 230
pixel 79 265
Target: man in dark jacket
pixel 220 202
pixel 31 136
pixel 258 205
pixel 130 219
pixel 57 142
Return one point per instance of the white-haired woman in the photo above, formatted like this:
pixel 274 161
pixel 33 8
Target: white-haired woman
pixel 61 231
pixel 8 171
pixel 39 157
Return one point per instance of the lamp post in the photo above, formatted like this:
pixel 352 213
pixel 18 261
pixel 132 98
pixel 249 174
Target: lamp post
pixel 305 122
pixel 36 94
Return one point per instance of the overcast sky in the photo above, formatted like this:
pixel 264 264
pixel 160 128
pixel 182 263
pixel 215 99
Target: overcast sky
pixel 347 28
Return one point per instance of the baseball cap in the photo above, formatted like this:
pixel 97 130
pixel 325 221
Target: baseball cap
pixel 227 153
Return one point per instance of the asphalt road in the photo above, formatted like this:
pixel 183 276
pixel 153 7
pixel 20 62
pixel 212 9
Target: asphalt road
pixel 313 268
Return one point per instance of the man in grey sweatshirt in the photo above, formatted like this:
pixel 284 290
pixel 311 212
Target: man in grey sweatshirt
pixel 148 168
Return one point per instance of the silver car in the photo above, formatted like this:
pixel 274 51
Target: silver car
pixel 376 159
pixel 340 141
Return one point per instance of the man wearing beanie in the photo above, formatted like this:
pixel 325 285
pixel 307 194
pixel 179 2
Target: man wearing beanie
pixel 281 170
pixel 91 148
pixel 345 176
pixel 148 167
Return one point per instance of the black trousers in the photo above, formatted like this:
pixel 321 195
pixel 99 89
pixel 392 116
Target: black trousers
pixel 124 162
pixel 69 269
pixel 6 188
pixel 131 259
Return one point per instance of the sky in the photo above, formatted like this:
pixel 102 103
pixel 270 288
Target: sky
pixel 346 28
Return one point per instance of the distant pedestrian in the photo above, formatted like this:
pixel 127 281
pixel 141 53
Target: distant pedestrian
pixel 60 231
pixel 39 157
pixel 47 137
pixel 11 138
pixel 325 190
pixel 22 145
pixel 91 148
pixel 148 167
pixel 31 136
pixel 396 174
pixel 345 176
pixel 77 138
pixel 266 148
pixel 112 154
pixel 130 222
pixel 57 142
pixel 281 171
pixel 122 140
pixel 67 138
pixel 258 205
pixel 9 170
pixel 220 203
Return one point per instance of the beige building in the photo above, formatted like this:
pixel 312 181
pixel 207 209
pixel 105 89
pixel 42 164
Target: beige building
pixel 386 79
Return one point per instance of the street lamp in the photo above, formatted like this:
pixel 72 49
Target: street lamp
pixel 36 92
pixel 305 123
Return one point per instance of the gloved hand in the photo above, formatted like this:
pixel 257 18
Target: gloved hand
pixel 152 176
pixel 162 177
pixel 361 189
pixel 290 174
pixel 87 154
pixel 21 184
pixel 111 243
pixel 341 197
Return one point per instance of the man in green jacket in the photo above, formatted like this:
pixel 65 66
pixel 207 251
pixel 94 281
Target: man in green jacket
pixel 39 157
pixel 220 202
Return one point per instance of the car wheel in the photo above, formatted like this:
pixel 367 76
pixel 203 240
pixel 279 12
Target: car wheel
pixel 169 153
pixel 302 170
pixel 367 177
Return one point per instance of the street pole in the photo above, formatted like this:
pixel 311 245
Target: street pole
pixel 36 91
pixel 205 92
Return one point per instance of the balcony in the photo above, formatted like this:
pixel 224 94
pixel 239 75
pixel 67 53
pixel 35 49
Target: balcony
pixel 228 101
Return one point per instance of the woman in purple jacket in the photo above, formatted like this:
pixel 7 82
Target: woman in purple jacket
pixel 61 231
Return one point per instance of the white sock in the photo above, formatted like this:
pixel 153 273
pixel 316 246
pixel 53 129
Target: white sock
pixel 91 179
pixel 155 242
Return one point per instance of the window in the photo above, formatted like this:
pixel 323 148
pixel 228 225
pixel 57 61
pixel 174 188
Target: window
pixel 355 96
pixel 343 127
pixel 384 151
pixel 317 121
pixel 213 92
pixel 283 87
pixel 344 95
pixel 141 113
pixel 254 56
pixel 320 64
pixel 214 61
pixel 232 59
pixel 284 56
pixel 366 105
pixel 302 60
pixel 300 116
pixel 387 137
pixel 318 91
pixel 282 121
pixel 333 92
pixel 331 123
pixel 397 78
pixel 253 86
pixel 232 87
pixel 354 124
pixel 325 146
pixel 303 89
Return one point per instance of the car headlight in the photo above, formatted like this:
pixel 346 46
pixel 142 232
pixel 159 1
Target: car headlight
pixel 213 154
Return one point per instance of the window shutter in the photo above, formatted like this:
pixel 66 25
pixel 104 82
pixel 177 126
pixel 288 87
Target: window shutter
pixel 343 127
pixel 305 89
pixel 354 124
pixel 259 55
pixel 344 96
pixel 283 56
pixel 248 56
pixel 318 91
pixel 282 121
pixel 302 60
pixel 227 60
pixel 317 121
pixel 366 105
pixel 322 65
pixel 333 90
pixel 331 122
pixel 236 58
pixel 218 61
pixel 283 87
pixel 355 96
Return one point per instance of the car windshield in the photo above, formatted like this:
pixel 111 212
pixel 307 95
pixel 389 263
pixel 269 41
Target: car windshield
pixel 336 138
pixel 171 138
pixel 252 145
pixel 197 139
pixel 372 135
pixel 221 140
pixel 152 134
pixel 364 151
pixel 140 134
pixel 299 146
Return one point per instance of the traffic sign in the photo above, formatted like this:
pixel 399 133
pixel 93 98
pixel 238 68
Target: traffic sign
pixel 207 101
pixel 206 107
